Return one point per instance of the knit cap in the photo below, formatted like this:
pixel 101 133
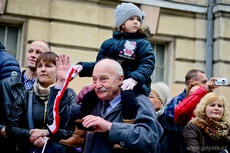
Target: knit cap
pixel 126 10
pixel 162 90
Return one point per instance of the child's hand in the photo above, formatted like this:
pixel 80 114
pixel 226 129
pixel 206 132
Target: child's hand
pixel 128 84
pixel 78 67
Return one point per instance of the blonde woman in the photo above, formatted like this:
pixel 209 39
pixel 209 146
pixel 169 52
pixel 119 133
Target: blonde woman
pixel 209 130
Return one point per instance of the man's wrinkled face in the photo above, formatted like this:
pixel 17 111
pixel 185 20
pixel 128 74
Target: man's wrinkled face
pixel 106 81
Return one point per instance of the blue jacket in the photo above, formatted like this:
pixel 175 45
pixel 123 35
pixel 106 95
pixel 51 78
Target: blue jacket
pixel 9 66
pixel 135 54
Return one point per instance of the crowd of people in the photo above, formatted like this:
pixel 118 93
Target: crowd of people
pixel 120 111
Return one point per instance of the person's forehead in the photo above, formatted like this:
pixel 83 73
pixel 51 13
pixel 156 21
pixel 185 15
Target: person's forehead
pixel 39 45
pixel 216 101
pixel 202 76
pixel 103 67
pixel 102 73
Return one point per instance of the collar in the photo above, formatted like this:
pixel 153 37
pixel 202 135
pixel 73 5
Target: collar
pixel 26 79
pixel 113 103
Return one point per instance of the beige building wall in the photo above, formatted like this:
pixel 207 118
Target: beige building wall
pixel 77 28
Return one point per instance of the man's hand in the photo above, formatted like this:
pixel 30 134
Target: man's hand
pixel 210 85
pixel 128 84
pixel 99 124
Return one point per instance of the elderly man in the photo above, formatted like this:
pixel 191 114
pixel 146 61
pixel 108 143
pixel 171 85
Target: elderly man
pixel 109 128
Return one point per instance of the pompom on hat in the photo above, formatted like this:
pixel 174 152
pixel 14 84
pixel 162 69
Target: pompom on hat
pixel 126 10
pixel 162 90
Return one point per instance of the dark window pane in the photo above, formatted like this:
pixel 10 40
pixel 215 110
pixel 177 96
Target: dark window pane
pixel 12 37
pixel 158 73
pixel 2 34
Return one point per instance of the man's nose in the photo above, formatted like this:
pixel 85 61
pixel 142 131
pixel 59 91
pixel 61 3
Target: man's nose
pixel 98 84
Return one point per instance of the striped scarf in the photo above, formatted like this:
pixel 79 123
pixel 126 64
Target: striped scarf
pixel 41 92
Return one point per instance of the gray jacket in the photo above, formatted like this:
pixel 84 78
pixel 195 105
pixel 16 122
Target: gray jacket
pixel 142 136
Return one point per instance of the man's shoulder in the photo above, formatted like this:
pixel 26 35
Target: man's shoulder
pixel 141 98
pixel 7 56
pixel 179 97
pixel 12 80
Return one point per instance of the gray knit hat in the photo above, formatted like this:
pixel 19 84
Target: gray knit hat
pixel 124 11
pixel 162 90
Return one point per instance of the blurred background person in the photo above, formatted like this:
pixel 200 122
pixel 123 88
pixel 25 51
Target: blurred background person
pixel 171 140
pixel 192 75
pixel 9 66
pixel 184 110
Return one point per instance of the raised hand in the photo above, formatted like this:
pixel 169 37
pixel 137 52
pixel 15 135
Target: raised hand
pixel 210 85
pixel 63 65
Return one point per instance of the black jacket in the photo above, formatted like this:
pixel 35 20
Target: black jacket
pixel 135 54
pixel 18 128
pixel 10 88
pixel 172 139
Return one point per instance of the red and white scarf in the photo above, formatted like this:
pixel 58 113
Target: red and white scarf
pixel 72 73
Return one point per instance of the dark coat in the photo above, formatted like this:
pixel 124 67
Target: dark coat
pixel 142 136
pixel 197 141
pixel 10 88
pixel 172 139
pixel 9 66
pixel 18 128
pixel 133 52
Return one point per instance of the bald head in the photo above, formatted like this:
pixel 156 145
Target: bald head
pixel 110 65
pixel 107 79
pixel 41 45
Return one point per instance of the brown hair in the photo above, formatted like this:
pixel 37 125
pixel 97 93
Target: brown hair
pixel 192 75
pixel 142 30
pixel 47 57
pixel 193 84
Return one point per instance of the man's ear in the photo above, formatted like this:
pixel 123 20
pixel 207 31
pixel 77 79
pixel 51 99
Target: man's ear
pixel 190 81
pixel 121 78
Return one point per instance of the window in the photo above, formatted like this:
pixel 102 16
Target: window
pixel 159 71
pixel 9 37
